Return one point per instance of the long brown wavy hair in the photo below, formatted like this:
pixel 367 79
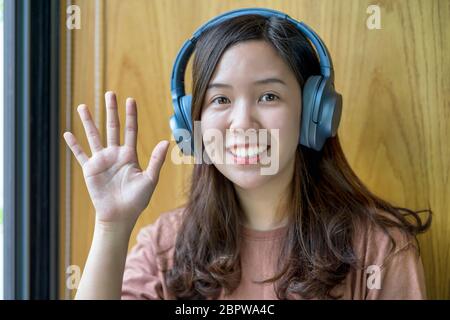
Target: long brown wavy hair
pixel 326 198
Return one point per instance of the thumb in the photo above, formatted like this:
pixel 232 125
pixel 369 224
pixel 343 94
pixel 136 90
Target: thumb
pixel 156 160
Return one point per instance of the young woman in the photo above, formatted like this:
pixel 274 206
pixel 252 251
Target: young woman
pixel 312 230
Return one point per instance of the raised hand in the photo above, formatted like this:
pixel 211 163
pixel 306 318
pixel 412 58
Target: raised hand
pixel 119 189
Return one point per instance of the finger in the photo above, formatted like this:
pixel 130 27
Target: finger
pixel 112 120
pixel 75 147
pixel 91 130
pixel 157 159
pixel 131 126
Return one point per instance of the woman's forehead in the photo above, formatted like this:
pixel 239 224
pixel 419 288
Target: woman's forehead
pixel 253 61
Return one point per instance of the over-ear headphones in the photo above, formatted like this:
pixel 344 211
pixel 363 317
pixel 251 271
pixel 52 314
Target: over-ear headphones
pixel 322 105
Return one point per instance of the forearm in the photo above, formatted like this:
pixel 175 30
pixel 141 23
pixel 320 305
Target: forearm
pixel 103 273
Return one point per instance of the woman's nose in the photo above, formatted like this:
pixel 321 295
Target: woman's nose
pixel 243 116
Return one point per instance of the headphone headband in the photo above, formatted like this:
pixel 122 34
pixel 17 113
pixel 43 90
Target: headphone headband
pixel 181 61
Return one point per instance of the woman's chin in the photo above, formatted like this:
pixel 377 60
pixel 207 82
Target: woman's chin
pixel 248 180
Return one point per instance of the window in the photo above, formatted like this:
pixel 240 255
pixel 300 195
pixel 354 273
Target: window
pixel 29 137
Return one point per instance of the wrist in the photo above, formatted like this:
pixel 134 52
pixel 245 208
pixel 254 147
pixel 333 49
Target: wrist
pixel 122 228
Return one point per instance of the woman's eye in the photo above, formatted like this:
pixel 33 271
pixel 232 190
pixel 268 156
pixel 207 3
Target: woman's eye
pixel 220 100
pixel 268 97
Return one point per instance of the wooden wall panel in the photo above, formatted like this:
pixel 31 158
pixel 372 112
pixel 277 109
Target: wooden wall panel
pixel 396 119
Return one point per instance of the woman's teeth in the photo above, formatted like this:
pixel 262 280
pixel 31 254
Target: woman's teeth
pixel 248 152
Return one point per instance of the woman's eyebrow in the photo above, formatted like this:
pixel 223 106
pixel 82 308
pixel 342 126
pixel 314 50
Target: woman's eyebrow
pixel 259 82
pixel 270 80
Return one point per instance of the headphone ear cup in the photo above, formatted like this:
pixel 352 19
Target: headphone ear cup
pixel 321 112
pixel 307 126
pixel 331 109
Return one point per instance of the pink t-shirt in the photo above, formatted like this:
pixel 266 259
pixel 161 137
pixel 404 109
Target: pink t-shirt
pixel 398 275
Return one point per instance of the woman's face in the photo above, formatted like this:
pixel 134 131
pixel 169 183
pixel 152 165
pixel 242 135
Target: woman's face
pixel 251 89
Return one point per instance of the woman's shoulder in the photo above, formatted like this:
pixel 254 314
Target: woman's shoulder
pixel 385 270
pixel 377 245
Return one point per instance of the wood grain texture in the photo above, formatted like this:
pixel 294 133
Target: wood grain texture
pixel 395 83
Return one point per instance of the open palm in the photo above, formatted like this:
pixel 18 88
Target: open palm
pixel 119 189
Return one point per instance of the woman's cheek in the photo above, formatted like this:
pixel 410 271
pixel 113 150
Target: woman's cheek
pixel 213 141
pixel 288 136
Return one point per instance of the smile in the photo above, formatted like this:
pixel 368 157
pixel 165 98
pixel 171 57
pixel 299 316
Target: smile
pixel 247 154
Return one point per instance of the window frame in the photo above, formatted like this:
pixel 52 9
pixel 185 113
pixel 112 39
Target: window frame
pixel 31 142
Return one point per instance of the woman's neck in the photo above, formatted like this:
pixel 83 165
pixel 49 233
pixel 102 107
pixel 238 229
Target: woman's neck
pixel 263 205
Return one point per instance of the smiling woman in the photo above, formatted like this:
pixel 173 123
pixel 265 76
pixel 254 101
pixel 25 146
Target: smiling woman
pixel 313 228
pixel 314 209
pixel 307 229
